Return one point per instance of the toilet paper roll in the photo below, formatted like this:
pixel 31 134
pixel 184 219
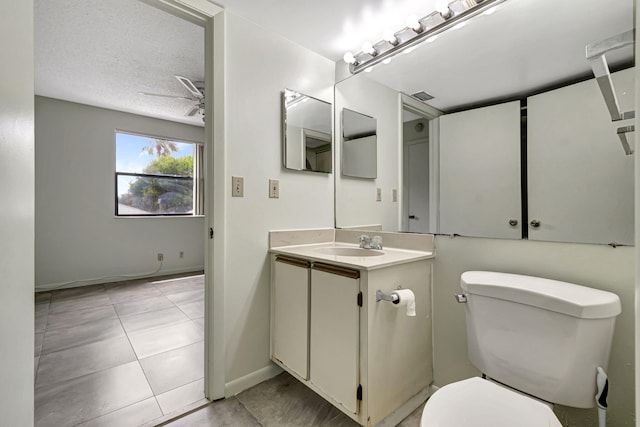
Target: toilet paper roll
pixel 407 298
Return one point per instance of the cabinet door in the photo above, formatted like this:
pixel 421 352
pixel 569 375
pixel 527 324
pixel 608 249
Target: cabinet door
pixel 334 341
pixel 580 182
pixel 290 333
pixel 480 172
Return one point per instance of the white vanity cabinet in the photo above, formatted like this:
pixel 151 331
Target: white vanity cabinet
pixel 368 358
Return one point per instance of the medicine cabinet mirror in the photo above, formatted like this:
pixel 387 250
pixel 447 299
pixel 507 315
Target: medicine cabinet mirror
pixel 306 133
pixel 359 145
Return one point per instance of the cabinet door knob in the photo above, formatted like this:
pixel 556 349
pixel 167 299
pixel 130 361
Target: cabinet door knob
pixel 513 222
pixel 413 217
pixel 535 223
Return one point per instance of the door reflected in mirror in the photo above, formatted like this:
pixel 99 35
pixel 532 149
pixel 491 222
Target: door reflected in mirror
pixel 306 133
pixel 359 145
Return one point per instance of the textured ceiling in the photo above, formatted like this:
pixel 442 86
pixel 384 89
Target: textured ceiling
pixel 103 52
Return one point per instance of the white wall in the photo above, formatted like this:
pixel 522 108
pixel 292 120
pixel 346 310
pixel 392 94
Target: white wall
pixel 17 213
pixel 597 266
pixel 356 197
pixel 259 66
pixel 78 236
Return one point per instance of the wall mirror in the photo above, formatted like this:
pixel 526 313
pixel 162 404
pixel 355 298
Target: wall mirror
pixel 516 141
pixel 359 145
pixel 306 133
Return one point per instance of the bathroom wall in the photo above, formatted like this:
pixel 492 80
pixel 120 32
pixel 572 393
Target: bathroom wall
pixel 78 236
pixel 259 66
pixel 17 213
pixel 597 266
pixel 356 197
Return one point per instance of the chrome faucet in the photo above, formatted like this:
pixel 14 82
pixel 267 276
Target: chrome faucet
pixel 367 242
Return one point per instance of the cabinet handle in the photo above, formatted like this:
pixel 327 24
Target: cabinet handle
pixel 535 223
pixel 513 222
pixel 334 269
pixel 293 261
pixel 413 217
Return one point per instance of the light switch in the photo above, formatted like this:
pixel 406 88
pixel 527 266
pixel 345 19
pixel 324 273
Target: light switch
pixel 274 189
pixel 394 195
pixel 378 194
pixel 237 186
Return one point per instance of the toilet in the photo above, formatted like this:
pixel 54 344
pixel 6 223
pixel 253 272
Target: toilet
pixel 537 341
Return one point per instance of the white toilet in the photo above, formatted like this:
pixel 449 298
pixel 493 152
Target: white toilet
pixel 541 339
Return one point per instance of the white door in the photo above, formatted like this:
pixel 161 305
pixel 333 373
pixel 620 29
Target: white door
pixel 480 172
pixel 418 191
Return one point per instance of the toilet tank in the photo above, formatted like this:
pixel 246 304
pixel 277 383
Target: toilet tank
pixel 543 337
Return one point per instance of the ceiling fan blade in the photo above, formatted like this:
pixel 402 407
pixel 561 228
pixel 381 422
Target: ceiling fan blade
pixel 188 84
pixel 164 96
pixel 193 111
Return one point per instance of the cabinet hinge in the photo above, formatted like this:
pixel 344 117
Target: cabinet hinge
pixel 359 299
pixel 359 392
pixel 210 233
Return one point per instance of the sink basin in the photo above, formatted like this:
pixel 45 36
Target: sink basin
pixel 356 252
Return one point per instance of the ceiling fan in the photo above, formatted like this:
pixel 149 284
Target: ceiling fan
pixel 195 89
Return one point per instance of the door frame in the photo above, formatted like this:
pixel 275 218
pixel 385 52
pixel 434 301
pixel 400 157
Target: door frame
pixel 411 104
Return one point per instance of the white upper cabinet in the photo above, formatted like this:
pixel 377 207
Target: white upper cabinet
pixel 580 182
pixel 480 172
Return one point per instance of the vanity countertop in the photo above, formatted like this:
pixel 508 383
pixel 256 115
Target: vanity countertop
pixel 389 257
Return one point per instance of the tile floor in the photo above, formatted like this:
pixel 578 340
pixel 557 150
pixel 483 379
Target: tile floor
pixel 120 354
pixel 282 401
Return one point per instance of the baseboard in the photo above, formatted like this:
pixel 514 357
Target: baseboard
pixel 109 279
pixel 240 384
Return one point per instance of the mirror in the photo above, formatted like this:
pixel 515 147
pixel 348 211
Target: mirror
pixel 359 148
pixel 306 133
pixel 473 73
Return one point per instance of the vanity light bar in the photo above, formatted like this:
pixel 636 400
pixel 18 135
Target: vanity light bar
pixel 446 15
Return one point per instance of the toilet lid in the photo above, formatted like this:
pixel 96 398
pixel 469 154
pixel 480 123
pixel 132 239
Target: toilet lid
pixel 476 402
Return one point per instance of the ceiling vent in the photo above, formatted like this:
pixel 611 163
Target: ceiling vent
pixel 422 96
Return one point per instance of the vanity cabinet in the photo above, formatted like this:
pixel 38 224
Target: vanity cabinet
pixel 367 358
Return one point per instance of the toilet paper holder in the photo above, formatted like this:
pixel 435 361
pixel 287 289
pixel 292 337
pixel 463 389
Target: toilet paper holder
pixel 381 296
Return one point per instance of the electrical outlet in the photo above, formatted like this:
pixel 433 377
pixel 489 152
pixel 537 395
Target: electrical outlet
pixel 378 194
pixel 394 195
pixel 181 254
pixel 237 186
pixel 274 189
pixel 160 257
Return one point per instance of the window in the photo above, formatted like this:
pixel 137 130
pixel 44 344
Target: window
pixel 158 177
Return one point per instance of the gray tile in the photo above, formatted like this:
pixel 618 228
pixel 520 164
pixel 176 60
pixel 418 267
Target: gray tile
pixel 187 297
pixel 38 344
pixel 194 310
pixel 80 303
pixel 200 322
pixel 193 283
pixel 90 396
pixel 228 412
pixel 77 292
pixel 67 319
pixel 149 342
pixel 41 297
pixel 132 291
pixel 131 416
pixel 176 399
pixel 143 305
pixel 413 420
pixel 42 308
pixel 36 363
pixel 64 338
pixel 285 401
pixel 153 319
pixel 172 369
pixel 41 313
pixel 82 360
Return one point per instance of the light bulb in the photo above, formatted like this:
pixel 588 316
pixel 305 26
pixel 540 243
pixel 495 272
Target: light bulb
pixel 349 58
pixel 414 23
pixel 368 48
pixel 442 7
pixel 390 36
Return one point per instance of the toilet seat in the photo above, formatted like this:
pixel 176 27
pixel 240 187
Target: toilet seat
pixel 476 402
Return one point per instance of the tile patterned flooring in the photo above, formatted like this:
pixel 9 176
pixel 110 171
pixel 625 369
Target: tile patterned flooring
pixel 128 353
pixel 119 354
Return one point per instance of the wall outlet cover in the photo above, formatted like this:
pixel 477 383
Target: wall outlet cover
pixel 394 195
pixel 378 194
